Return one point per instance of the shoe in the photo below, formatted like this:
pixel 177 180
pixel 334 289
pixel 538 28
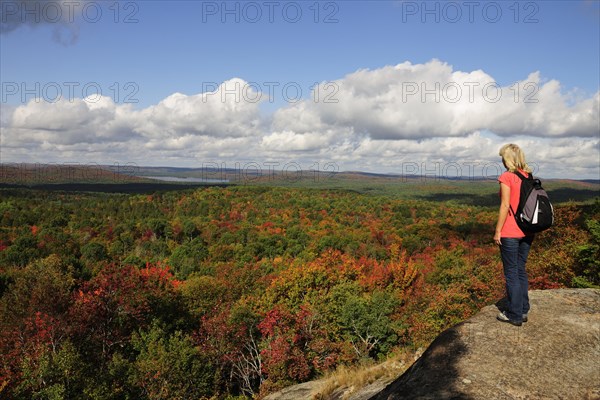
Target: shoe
pixel 503 318
pixel 524 317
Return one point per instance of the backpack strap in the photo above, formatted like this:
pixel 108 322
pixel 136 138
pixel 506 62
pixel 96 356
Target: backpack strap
pixel 517 173
pixel 529 177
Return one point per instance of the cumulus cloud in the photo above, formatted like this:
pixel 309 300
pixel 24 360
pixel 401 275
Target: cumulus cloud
pixel 380 120
pixel 68 122
pixel 430 114
pixel 292 141
pixel 471 156
pixel 214 122
pixel 416 101
pixel 228 111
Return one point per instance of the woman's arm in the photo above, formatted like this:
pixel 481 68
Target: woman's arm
pixel 503 213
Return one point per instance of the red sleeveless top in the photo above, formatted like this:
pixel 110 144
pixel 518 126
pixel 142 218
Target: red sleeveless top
pixel 510 229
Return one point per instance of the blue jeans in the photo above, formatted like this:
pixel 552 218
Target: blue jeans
pixel 514 252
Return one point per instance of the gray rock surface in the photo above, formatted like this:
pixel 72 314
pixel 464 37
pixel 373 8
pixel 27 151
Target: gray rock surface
pixel 302 391
pixel 556 355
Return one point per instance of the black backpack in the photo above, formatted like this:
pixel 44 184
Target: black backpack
pixel 534 212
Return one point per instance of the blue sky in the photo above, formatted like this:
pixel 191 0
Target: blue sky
pixel 140 53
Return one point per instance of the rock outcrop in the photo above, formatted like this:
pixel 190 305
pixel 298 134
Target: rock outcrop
pixel 556 355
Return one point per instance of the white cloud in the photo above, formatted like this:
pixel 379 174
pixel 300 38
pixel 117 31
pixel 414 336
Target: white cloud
pixel 409 101
pixel 177 122
pixel 231 110
pixel 292 141
pixel 474 155
pixel 377 120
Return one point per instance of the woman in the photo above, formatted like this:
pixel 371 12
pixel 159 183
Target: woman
pixel 514 244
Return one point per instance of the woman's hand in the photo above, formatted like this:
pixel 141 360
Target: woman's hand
pixel 497 238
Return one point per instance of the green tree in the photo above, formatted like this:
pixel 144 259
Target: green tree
pixel 187 258
pixel 368 324
pixel 202 293
pixel 55 374
pixel 450 268
pixel 23 250
pixel 94 252
pixel 170 367
pixel 588 258
pixel 190 230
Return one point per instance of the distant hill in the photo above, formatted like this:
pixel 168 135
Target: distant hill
pixel 86 178
pixel 118 178
pixel 33 174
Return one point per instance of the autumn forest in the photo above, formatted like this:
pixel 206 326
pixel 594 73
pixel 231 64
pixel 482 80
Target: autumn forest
pixel 234 292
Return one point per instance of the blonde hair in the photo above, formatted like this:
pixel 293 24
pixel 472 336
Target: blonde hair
pixel 514 158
